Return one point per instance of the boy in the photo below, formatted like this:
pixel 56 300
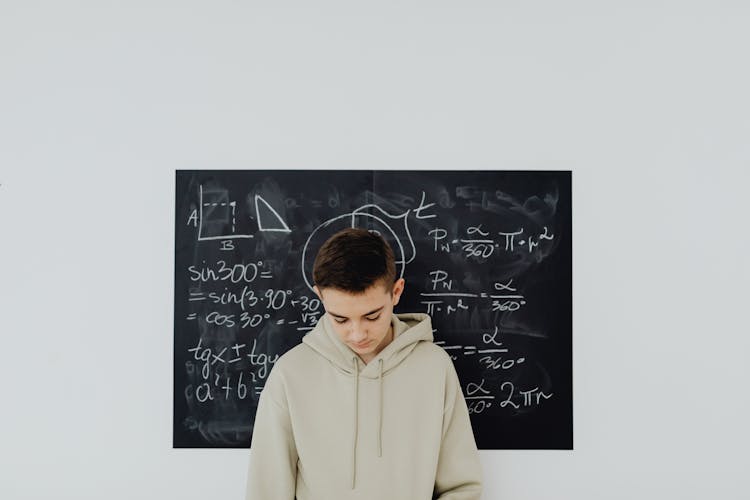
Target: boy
pixel 367 406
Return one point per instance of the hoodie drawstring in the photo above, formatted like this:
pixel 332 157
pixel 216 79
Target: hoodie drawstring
pixel 356 416
pixel 380 410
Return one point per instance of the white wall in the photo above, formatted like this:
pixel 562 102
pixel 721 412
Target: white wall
pixel 647 102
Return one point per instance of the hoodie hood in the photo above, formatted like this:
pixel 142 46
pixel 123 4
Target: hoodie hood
pixel 409 329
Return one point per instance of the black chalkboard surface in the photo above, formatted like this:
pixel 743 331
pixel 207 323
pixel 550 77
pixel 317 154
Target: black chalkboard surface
pixel 486 253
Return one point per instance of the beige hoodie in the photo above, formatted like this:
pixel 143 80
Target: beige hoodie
pixel 329 427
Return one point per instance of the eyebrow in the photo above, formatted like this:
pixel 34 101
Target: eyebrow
pixel 365 314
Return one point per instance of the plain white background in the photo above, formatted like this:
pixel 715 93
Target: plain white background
pixel 645 101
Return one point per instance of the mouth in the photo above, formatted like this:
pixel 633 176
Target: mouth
pixel 362 345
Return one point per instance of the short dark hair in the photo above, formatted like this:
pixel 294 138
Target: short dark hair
pixel 353 260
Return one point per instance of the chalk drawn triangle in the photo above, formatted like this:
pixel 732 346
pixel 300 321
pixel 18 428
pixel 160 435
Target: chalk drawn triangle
pixel 275 218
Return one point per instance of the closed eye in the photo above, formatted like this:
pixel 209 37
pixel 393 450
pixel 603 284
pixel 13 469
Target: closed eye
pixel 369 319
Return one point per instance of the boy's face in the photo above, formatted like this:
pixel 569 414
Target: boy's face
pixel 362 321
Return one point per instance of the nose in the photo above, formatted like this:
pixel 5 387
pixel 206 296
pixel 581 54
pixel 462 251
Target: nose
pixel 358 334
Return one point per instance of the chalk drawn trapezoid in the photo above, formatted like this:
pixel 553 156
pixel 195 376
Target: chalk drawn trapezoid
pixel 278 218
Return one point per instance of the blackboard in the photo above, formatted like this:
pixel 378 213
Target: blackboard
pixel 486 253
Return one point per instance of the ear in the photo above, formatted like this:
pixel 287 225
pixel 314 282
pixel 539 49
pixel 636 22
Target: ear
pixel 317 292
pixel 398 288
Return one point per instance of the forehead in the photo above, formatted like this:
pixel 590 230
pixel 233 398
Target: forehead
pixel 350 304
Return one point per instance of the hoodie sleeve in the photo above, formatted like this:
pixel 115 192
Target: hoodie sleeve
pixel 459 471
pixel 272 471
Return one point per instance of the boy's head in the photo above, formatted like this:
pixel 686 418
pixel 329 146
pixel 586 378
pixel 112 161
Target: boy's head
pixel 355 278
